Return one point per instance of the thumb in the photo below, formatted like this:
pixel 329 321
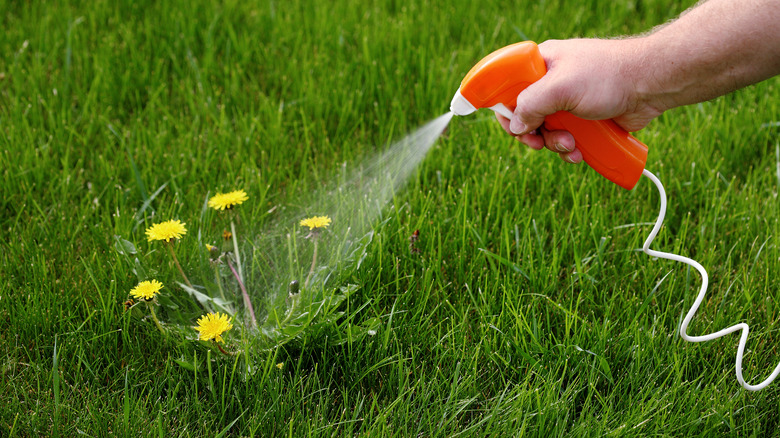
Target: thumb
pixel 533 104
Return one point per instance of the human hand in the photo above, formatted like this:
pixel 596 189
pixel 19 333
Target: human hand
pixel 592 79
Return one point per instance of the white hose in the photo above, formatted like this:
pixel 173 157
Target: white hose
pixel 684 326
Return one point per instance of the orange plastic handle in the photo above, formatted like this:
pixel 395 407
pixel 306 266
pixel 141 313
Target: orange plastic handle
pixel 607 148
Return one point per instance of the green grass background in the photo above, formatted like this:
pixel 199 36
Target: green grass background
pixel 528 310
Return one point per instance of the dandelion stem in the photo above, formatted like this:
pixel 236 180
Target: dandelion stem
pixel 235 250
pixel 221 349
pixel 154 317
pixel 247 302
pixel 176 260
pixel 313 262
pixel 219 282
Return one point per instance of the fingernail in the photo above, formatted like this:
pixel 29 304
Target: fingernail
pixel 568 159
pixel 516 126
pixel 559 147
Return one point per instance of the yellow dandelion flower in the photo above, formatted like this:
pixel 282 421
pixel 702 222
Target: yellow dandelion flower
pixel 166 231
pixel 210 247
pixel 316 222
pixel 146 290
pixel 212 326
pixel 226 201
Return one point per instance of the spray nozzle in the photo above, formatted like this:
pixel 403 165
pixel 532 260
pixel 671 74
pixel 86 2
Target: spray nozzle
pixel 496 80
pixel 460 106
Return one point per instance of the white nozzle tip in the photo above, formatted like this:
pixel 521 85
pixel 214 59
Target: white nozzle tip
pixel 460 106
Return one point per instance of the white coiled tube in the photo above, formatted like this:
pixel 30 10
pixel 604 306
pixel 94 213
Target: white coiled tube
pixel 704 282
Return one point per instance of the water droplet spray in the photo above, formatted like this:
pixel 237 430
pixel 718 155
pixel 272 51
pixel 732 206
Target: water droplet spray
pixel 357 201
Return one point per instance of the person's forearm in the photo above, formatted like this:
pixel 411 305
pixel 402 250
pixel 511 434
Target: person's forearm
pixel 715 48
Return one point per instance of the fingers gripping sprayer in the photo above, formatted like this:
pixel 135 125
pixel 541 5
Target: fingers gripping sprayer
pixel 494 83
pixel 496 80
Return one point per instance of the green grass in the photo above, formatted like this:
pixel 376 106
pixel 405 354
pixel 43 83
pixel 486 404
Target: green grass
pixel 527 310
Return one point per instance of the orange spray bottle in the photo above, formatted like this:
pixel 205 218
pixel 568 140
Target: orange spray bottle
pixel 496 80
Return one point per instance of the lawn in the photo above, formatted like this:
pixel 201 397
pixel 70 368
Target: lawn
pixel 521 306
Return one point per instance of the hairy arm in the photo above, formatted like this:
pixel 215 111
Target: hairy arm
pixel 713 49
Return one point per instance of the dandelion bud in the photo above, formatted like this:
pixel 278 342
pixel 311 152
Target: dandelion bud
pixel 293 287
pixel 214 251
